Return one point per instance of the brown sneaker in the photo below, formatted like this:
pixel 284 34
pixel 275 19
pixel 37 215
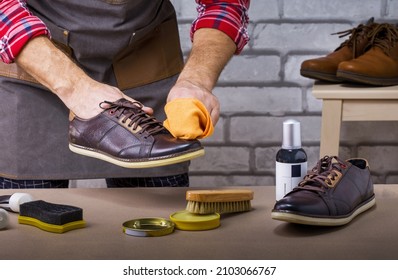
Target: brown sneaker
pixel 324 68
pixel 332 194
pixel 123 134
pixel 379 65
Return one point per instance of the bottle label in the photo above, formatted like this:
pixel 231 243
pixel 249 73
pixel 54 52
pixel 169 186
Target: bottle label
pixel 288 176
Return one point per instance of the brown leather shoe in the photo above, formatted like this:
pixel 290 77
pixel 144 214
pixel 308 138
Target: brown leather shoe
pixel 123 134
pixel 379 65
pixel 332 194
pixel 324 68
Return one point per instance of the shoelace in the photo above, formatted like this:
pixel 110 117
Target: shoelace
pixel 133 111
pixel 356 35
pixel 323 175
pixel 384 36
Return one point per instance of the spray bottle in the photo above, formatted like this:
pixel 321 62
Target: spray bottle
pixel 291 160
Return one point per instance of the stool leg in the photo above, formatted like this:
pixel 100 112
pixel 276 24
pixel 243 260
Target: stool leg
pixel 330 129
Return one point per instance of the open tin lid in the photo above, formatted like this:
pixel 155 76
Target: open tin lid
pixel 148 227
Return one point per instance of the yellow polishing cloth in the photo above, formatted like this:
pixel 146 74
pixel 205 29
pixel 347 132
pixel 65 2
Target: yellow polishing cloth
pixel 188 118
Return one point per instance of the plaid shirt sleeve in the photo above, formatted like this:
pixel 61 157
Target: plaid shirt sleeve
pixel 17 27
pixel 228 16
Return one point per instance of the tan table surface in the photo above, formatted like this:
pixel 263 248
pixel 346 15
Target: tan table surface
pixel 249 235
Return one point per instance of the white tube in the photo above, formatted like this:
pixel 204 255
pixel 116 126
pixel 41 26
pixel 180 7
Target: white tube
pixel 17 199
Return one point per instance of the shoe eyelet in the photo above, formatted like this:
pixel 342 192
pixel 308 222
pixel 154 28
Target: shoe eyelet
pixel 111 112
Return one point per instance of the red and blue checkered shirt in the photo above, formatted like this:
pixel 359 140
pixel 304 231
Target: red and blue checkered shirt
pixel 18 25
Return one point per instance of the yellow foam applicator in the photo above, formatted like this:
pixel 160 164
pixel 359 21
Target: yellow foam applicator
pixel 188 118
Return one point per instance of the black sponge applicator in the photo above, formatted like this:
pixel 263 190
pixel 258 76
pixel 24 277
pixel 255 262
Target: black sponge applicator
pixel 51 217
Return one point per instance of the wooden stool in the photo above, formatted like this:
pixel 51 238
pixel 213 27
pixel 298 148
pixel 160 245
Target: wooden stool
pixel 347 102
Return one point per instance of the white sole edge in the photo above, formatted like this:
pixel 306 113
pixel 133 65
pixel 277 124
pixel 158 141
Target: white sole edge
pixel 137 164
pixel 316 221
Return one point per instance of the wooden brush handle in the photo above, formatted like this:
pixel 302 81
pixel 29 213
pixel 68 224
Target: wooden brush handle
pixel 219 195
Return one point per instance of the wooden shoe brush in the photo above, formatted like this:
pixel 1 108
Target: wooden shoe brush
pixel 219 201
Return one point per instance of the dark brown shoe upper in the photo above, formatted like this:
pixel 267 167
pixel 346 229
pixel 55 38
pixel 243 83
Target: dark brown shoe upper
pixel 124 131
pixel 334 188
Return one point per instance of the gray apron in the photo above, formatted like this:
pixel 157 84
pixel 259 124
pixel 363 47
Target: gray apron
pixel 133 45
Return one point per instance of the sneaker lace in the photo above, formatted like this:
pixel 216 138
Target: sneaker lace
pixel 133 112
pixel 324 175
pixel 384 36
pixel 356 35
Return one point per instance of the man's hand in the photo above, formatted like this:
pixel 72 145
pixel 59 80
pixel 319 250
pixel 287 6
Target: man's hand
pixel 187 89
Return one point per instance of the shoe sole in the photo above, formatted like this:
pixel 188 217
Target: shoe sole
pixel 319 221
pixel 139 163
pixel 357 78
pixel 322 76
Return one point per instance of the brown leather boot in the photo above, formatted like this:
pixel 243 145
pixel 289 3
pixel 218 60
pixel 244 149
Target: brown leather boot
pixel 324 68
pixel 379 65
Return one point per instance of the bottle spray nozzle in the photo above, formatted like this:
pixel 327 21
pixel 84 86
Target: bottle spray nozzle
pixel 291 135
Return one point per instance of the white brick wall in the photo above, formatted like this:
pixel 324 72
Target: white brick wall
pixel 262 87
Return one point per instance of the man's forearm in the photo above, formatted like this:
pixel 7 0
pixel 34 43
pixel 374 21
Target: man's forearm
pixel 211 51
pixel 55 70
pixel 50 66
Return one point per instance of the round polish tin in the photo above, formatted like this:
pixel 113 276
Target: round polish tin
pixel 148 227
pixel 185 220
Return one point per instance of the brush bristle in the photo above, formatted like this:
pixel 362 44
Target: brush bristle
pixel 218 207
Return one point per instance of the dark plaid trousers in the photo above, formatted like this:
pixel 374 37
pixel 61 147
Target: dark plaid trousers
pixel 181 180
